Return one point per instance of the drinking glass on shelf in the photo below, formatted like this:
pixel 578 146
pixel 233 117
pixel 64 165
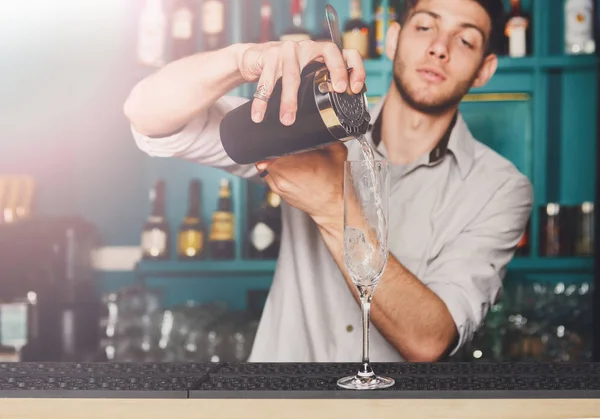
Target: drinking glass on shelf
pixel 366 200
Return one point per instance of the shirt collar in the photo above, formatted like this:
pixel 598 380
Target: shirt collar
pixel 458 140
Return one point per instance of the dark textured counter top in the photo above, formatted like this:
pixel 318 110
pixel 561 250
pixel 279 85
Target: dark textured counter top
pixel 296 381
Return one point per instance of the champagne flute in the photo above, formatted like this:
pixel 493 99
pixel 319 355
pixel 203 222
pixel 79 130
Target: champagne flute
pixel 366 202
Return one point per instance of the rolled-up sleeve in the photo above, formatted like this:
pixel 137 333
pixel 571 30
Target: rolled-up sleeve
pixel 199 141
pixel 468 272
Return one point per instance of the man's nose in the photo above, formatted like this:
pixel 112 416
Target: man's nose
pixel 439 48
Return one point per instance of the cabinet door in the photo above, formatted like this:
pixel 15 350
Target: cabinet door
pixel 502 121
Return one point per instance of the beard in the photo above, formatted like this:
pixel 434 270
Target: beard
pixel 433 104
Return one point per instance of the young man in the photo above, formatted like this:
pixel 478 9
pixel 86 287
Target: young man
pixel 458 209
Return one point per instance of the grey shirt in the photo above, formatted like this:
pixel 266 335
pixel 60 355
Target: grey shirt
pixel 456 216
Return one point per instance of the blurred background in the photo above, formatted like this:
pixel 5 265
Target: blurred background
pixel 108 254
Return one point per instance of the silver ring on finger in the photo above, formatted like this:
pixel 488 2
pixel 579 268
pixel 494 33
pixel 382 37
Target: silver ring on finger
pixel 261 93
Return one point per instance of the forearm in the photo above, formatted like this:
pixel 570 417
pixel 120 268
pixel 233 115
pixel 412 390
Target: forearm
pixel 407 313
pixel 167 100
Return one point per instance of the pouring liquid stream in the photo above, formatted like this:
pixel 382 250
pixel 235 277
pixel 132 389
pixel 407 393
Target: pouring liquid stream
pixel 368 253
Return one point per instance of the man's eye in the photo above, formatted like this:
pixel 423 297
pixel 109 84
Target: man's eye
pixel 466 43
pixel 422 28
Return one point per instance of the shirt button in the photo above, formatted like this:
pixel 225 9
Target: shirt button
pixel 349 328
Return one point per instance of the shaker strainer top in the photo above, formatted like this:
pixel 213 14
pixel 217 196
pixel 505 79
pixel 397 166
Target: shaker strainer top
pixel 350 109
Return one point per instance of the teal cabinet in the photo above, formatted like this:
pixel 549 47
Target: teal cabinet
pixel 539 111
pixel 503 121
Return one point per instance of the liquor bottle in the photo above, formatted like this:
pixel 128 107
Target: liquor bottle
pixel 265 229
pixel 19 319
pixel 517 31
pixel 579 27
pixel 3 197
pixel 222 242
pixel 584 229
pixel 266 22
pixel 9 212
pixel 151 47
pixel 551 234
pixel 192 233
pixel 297 32
pixel 378 35
pixel 155 233
pixel 356 31
pixel 183 29
pixel 324 35
pixel 213 24
pixel 23 207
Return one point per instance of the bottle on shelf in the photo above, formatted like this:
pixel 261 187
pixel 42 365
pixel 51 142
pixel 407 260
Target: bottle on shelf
pixel 297 32
pixel 213 25
pixel 579 27
pixel 265 228
pixel 378 35
pixel 222 236
pixel 551 231
pixel 9 212
pixel 192 232
pixel 19 319
pixel 24 203
pixel 323 35
pixel 583 234
pixel 155 233
pixel 517 31
pixel 3 197
pixel 356 31
pixel 183 29
pixel 267 33
pixel 151 43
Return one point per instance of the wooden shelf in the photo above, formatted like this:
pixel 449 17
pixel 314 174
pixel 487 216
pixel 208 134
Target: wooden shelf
pixel 541 264
pixel 569 61
pixel 508 64
pixel 383 65
pixel 240 267
pixel 167 268
pixel 516 64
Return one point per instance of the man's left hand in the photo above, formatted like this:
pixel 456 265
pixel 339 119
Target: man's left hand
pixel 312 181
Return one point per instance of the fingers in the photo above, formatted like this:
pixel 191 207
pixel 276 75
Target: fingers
pixel 290 67
pixel 265 85
pixel 358 73
pixel 261 166
pixel 272 179
pixel 287 59
pixel 336 65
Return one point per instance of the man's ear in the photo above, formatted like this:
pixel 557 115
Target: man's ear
pixel 486 70
pixel 391 40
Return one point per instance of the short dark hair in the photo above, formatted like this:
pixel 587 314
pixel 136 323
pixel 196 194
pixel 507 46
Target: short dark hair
pixel 494 9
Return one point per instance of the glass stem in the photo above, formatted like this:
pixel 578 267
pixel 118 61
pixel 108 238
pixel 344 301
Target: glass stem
pixel 366 294
pixel 366 315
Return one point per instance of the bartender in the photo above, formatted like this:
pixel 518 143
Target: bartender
pixel 458 209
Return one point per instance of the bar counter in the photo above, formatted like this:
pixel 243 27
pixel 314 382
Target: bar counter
pixel 282 390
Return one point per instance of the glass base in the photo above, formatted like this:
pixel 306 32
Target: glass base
pixel 365 382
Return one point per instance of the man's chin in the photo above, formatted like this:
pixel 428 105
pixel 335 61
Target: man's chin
pixel 426 98
pixel 432 107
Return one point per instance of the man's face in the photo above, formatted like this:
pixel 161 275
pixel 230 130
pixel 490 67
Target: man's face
pixel 440 50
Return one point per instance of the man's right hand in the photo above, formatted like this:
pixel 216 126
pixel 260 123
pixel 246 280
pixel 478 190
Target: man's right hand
pixel 170 98
pixel 266 63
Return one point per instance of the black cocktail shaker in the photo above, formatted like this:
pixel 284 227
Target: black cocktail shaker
pixel 324 116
